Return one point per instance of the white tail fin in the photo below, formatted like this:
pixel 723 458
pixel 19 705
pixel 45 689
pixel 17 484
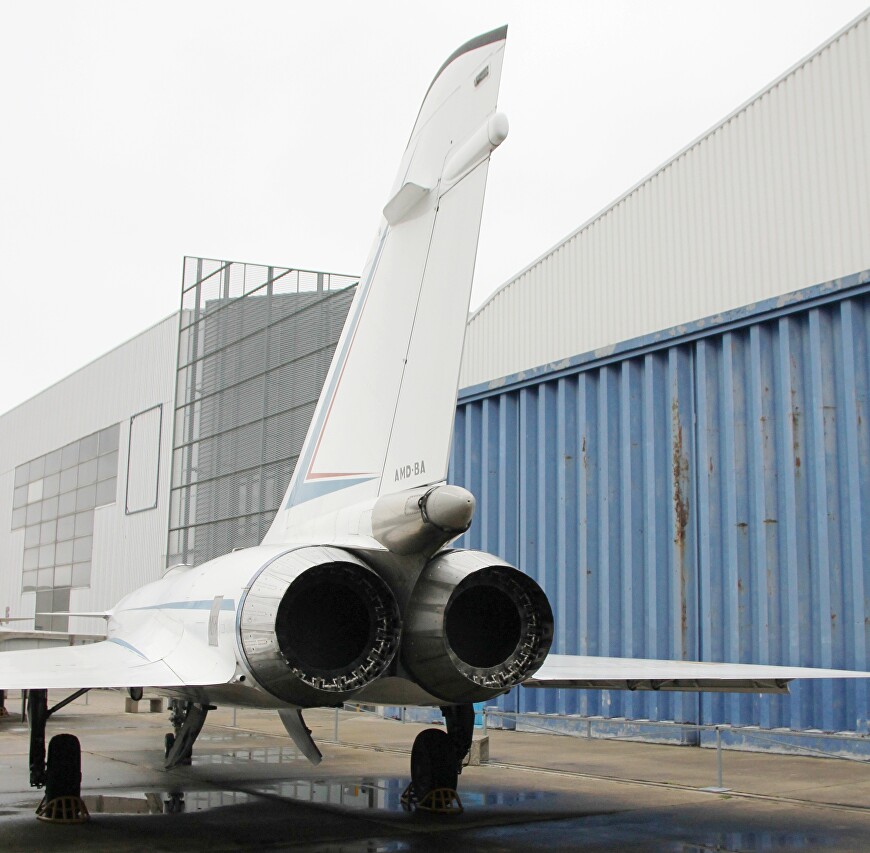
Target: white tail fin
pixel 384 420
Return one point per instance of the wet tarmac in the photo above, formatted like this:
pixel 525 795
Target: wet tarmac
pixel 249 789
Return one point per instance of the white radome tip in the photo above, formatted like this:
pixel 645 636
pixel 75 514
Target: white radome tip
pixel 497 129
pixel 450 507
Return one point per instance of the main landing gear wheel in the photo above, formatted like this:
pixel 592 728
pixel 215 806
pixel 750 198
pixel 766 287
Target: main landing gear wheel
pixel 434 774
pixel 433 762
pixel 63 776
pixel 62 802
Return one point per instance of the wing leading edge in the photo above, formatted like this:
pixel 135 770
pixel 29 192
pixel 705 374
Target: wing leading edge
pixel 602 673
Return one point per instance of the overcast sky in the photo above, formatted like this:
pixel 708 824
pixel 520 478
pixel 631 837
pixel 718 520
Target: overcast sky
pixel 136 133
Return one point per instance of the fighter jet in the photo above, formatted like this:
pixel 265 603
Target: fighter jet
pixel 355 593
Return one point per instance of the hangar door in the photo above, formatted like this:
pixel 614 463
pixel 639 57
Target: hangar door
pixel 697 496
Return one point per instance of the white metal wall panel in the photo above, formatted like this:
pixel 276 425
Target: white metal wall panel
pixel 56 415
pixel 773 199
pixel 128 550
pixel 11 554
pixel 128 553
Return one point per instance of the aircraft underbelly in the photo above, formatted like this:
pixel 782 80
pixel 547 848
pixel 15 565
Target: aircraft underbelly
pixel 226 695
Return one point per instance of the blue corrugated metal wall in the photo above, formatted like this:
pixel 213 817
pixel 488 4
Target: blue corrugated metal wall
pixel 702 494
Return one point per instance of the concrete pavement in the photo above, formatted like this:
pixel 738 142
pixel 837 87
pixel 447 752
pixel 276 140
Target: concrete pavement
pixel 248 789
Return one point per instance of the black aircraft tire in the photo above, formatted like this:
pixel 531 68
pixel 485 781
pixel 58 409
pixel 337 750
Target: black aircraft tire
pixel 433 762
pixel 63 773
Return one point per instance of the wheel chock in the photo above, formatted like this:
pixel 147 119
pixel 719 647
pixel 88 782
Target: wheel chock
pixel 437 801
pixel 63 810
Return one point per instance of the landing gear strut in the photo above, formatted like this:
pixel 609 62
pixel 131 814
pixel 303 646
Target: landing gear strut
pixel 460 730
pixel 187 720
pixel 436 762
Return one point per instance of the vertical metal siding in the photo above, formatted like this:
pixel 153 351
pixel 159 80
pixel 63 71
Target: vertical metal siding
pixel 126 549
pixel 702 497
pixel 774 198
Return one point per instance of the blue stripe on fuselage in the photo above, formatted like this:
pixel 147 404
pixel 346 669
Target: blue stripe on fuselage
pixel 207 604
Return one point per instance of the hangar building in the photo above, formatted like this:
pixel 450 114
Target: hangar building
pixel 665 418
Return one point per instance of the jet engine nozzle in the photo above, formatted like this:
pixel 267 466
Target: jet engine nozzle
pixel 474 627
pixel 317 624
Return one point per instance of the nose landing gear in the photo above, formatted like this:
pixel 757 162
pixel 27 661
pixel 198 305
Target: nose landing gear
pixel 187 720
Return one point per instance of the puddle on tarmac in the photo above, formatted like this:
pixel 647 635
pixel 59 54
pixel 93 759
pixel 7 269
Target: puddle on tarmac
pixel 235 734
pixel 758 842
pixel 262 755
pixel 504 798
pixel 163 802
pixel 366 845
pixel 363 794
pixel 382 794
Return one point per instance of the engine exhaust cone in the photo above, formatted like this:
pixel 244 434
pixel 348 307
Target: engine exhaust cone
pixel 475 627
pixel 317 625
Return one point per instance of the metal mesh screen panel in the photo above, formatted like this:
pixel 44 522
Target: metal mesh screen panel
pixel 255 345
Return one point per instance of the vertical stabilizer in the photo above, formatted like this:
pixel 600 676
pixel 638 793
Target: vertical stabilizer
pixel 385 417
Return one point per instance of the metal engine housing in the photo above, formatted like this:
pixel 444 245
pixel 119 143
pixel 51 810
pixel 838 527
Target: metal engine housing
pixel 317 625
pixel 474 627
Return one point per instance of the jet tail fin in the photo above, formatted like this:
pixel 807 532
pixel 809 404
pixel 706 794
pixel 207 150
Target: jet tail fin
pixel 384 420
